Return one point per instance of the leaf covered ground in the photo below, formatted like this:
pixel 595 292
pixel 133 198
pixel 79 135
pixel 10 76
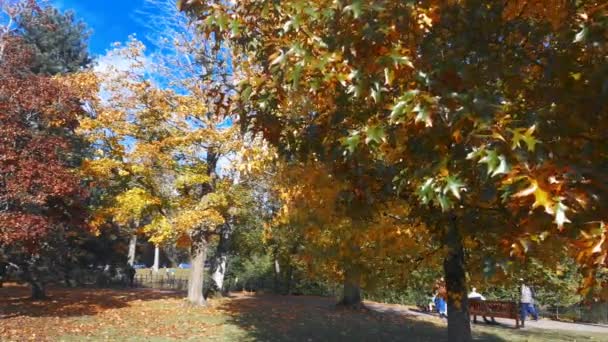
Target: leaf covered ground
pixel 149 315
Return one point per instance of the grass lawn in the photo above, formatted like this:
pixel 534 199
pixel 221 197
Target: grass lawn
pixel 148 315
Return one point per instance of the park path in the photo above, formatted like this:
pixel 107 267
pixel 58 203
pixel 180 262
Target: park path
pixel 547 324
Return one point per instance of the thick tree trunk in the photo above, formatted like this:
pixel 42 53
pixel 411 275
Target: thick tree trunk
pixel 132 245
pixel 156 258
pixel 459 325
pixel 352 290
pixel 198 254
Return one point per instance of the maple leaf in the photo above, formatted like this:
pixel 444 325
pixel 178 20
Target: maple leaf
pixel 453 185
pixel 525 135
pixel 374 134
pixel 541 198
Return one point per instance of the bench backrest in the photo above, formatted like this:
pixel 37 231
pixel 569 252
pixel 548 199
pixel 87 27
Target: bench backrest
pixel 495 308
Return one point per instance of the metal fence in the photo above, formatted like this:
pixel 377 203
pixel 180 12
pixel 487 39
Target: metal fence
pixel 588 313
pixel 164 282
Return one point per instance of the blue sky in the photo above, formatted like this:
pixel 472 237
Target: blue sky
pixel 110 20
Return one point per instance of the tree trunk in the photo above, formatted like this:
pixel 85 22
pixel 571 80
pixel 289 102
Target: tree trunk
pixel 38 290
pixel 220 261
pixel 219 274
pixel 198 254
pixel 459 321
pixel 277 274
pixel 156 258
pixel 352 290
pixel 132 245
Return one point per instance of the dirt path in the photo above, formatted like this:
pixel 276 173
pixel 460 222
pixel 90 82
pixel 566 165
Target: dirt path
pixel 540 324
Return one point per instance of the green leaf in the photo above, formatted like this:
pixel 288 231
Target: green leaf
pixel 356 8
pixel 352 142
pixel 246 92
pixel 401 107
pixel 398 110
pixel 581 35
pixel 424 115
pixel 444 202
pixel 453 185
pixel 235 27
pixel 376 92
pixel 400 59
pixel 503 166
pixel 476 153
pixel 425 191
pixel 526 136
pixel 491 160
pixel 375 134
pixel 296 75
pixel 355 89
pixel 222 21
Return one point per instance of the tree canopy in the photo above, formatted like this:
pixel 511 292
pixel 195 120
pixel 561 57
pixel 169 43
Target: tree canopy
pixel 368 143
pixel 488 113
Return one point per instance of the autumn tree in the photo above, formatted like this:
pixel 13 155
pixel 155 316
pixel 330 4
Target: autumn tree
pixel 313 226
pixel 58 250
pixel 490 113
pixel 161 149
pixel 40 193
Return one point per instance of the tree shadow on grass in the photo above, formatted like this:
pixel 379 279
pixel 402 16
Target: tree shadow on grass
pixel 307 318
pixel 69 302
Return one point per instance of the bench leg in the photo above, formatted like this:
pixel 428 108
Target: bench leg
pixel 475 319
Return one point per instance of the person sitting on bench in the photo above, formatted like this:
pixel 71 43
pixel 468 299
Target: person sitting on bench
pixel 474 295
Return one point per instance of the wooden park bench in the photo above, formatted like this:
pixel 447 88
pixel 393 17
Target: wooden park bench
pixel 494 308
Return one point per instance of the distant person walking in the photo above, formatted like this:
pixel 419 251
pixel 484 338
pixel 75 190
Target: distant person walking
pixel 527 302
pixel 131 275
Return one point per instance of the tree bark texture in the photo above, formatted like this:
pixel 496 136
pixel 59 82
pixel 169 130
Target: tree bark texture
pixel 277 274
pixel 132 245
pixel 156 258
pixel 198 254
pixel 459 321
pixel 220 261
pixel 352 289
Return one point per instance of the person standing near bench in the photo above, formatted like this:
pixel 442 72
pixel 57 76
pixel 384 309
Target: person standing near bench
pixel 527 302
